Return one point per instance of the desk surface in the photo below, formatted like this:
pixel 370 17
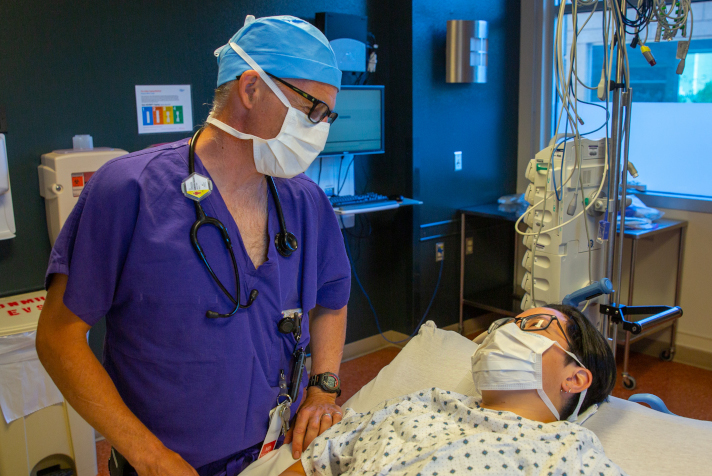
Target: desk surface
pixel 367 207
pixel 664 225
pixel 491 210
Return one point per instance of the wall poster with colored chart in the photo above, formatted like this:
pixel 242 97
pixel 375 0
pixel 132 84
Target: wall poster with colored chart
pixel 166 108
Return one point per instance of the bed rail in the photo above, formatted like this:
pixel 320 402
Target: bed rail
pixel 660 315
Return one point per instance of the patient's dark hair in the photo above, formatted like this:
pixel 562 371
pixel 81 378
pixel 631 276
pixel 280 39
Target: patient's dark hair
pixel 589 345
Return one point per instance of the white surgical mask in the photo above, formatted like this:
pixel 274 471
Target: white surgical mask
pixel 297 144
pixel 511 359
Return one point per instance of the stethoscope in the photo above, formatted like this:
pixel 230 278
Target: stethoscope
pixel 284 241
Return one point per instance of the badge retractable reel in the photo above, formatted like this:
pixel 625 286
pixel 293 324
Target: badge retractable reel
pixel 291 323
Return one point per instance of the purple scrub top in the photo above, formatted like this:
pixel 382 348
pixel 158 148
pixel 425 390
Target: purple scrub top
pixel 203 386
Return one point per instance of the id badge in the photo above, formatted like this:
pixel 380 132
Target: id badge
pixel 275 428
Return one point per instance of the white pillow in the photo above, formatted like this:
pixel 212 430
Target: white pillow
pixel 433 358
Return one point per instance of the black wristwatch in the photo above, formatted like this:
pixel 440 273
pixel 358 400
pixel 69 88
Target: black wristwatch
pixel 328 382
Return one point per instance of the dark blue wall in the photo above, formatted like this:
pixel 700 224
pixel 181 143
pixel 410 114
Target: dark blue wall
pixel 478 119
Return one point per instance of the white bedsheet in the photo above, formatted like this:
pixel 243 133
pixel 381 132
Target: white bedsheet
pixel 640 440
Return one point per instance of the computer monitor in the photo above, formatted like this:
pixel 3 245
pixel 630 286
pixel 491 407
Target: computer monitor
pixel 359 127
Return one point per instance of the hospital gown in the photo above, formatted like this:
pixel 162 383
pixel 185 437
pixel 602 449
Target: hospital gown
pixel 436 432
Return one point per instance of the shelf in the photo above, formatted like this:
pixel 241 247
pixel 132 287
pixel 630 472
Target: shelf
pixel 500 300
pixel 375 207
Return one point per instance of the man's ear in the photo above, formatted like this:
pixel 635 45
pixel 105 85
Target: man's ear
pixel 578 381
pixel 246 89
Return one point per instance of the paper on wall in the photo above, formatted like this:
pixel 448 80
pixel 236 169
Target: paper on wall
pixel 164 108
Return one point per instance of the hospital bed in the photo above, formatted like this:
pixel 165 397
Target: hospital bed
pixel 640 440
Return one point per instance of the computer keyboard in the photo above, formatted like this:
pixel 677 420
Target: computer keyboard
pixel 365 199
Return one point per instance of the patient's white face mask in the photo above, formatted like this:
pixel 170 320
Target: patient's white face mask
pixel 297 144
pixel 511 359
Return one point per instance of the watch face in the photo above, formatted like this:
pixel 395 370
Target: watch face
pixel 330 381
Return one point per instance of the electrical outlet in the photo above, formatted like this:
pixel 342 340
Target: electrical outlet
pixel 439 251
pixel 458 161
pixel 469 245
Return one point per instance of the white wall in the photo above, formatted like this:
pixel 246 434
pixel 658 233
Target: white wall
pixel 695 327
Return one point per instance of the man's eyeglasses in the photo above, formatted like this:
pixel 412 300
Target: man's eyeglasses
pixel 319 110
pixel 536 322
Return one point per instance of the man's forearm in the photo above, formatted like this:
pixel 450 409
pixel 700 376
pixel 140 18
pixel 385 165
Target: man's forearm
pixel 328 334
pixel 65 354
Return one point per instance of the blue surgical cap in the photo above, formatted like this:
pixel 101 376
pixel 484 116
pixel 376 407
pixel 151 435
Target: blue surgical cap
pixel 284 46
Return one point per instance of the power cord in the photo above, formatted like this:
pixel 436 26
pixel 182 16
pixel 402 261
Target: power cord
pixel 348 167
pixel 375 315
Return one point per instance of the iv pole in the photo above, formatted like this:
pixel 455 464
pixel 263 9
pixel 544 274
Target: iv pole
pixel 613 312
pixel 615 244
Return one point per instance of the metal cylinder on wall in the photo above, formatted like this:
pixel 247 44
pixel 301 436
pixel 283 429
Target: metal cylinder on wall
pixel 466 60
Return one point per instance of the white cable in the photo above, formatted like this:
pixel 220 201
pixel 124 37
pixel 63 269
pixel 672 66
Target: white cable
pixel 672 22
pixel 578 159
pixel 563 92
pixel 566 84
pixel 590 203
pixel 549 194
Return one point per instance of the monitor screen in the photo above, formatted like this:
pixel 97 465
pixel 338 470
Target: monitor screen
pixel 359 127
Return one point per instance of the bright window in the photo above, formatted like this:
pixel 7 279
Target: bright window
pixel 671 127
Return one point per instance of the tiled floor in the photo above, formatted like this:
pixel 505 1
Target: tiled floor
pixel 686 390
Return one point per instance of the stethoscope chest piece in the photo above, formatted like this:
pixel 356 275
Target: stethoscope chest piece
pixel 196 186
pixel 286 243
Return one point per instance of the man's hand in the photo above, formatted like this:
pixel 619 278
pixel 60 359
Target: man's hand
pixel 316 415
pixel 165 463
pixel 319 411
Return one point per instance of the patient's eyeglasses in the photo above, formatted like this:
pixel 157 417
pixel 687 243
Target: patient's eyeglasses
pixel 533 323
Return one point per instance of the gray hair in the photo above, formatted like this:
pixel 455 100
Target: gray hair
pixel 222 94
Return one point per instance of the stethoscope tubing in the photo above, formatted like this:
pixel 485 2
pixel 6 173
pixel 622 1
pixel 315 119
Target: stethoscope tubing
pixel 285 242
